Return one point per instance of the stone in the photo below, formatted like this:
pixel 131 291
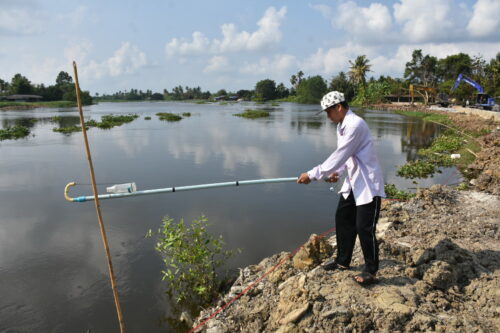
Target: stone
pixel 295 315
pixel 312 253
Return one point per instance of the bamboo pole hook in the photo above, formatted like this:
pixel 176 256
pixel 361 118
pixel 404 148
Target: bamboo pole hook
pixel 97 205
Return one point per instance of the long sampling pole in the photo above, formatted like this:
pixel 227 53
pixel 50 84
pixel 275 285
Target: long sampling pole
pixel 98 206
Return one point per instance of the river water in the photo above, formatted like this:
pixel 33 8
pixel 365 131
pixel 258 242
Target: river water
pixel 53 269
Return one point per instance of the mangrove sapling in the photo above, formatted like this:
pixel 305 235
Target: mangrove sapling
pixel 167 116
pixel 252 114
pixel 15 132
pixel 192 259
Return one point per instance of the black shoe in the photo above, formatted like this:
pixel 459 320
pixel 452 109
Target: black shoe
pixel 332 265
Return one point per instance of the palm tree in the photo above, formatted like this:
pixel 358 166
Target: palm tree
pixel 358 70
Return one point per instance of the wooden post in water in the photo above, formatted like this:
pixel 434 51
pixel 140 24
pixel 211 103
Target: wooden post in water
pixel 98 206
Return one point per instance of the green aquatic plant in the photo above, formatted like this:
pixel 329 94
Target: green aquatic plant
pixel 275 104
pixel 67 130
pixel 13 133
pixel 417 169
pixel 186 114
pixel 192 259
pixel 252 114
pixel 392 192
pixel 167 116
pixel 147 118
pixel 110 121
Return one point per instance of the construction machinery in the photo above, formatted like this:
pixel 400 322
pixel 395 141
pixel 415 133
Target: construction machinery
pixel 483 101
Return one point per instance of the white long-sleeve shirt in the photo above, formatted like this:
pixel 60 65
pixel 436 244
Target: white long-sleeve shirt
pixel 356 153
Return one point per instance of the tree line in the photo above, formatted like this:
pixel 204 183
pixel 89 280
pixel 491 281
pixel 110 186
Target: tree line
pixel 422 69
pixel 62 90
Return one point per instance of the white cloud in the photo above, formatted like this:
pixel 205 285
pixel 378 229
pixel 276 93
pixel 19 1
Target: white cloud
pixel 127 59
pixel 371 21
pixel 78 16
pixel 217 64
pixel 267 35
pixel 199 44
pixel 425 20
pixel 485 19
pixel 21 20
pixel 280 63
pixel 335 59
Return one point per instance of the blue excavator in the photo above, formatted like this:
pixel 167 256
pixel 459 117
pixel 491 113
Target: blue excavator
pixel 483 101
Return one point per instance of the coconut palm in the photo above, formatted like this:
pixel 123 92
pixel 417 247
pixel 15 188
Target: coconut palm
pixel 358 70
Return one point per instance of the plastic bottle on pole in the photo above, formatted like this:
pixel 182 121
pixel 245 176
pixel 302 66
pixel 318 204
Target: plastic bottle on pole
pixel 122 188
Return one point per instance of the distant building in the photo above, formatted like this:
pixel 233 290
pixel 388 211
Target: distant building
pixel 23 98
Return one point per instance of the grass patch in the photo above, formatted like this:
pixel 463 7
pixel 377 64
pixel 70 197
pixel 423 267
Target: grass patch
pixel 392 192
pixel 67 130
pixel 186 114
pixel 147 118
pixel 223 103
pixel 168 116
pixel 427 116
pixel 14 133
pixel 253 114
pixel 201 102
pixel 51 104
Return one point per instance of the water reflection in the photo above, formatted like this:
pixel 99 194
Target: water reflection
pixel 52 265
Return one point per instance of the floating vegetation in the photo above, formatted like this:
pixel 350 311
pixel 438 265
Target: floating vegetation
pixel 186 114
pixel 275 104
pixel 252 114
pixel 223 103
pixel 110 121
pixel 392 192
pixel 56 119
pixel 417 169
pixel 67 130
pixel 168 116
pixel 147 118
pixel 15 132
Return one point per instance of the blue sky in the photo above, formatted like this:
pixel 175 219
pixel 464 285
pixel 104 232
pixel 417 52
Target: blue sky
pixel 232 44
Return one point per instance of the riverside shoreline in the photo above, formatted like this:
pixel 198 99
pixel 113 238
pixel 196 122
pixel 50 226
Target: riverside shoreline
pixel 440 267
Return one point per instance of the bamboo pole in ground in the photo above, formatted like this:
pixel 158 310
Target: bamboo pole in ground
pixel 98 206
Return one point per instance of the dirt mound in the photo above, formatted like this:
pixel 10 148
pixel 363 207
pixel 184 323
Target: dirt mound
pixel 485 168
pixel 440 272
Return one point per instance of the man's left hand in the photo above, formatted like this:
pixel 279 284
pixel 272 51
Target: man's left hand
pixel 304 179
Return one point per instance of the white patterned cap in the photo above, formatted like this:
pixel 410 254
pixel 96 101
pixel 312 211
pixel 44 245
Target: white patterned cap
pixel 332 98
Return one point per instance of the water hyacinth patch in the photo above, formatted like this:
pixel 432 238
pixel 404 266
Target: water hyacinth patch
pixel 67 130
pixel 167 116
pixel 253 114
pixel 15 132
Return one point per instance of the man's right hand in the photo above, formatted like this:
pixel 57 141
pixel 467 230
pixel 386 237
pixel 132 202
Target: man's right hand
pixel 333 178
pixel 304 179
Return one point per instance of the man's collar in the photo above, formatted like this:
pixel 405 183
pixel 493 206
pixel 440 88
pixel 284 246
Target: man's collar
pixel 343 123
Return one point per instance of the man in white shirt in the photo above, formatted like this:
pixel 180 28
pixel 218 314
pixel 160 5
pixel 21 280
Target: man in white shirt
pixel 359 205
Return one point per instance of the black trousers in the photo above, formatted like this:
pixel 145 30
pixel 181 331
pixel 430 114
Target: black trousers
pixel 352 220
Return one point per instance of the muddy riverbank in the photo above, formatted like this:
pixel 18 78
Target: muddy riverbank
pixel 440 267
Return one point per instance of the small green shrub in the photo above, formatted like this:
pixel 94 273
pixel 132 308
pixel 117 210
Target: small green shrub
pixel 252 114
pixel 15 132
pixel 192 258
pixel 392 192
pixel 168 116
pixel 463 186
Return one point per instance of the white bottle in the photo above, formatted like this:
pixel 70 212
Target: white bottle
pixel 122 188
